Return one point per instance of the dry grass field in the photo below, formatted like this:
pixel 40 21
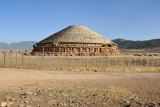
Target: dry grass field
pixel 120 63
pixel 34 88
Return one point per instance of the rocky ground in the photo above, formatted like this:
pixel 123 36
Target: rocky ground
pixel 31 88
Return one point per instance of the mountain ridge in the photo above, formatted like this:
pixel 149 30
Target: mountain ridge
pixel 129 44
pixel 23 45
pixel 122 44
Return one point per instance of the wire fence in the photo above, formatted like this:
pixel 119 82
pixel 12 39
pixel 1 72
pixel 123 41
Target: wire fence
pixel 80 60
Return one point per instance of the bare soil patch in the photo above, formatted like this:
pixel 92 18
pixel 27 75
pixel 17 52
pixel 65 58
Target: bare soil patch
pixel 31 88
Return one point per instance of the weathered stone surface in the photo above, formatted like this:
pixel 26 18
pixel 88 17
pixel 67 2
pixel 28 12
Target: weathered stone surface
pixel 3 104
pixel 76 39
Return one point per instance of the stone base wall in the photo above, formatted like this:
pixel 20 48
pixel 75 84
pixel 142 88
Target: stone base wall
pixel 112 49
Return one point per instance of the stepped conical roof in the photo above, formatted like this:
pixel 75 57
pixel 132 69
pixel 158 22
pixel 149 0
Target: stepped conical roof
pixel 76 34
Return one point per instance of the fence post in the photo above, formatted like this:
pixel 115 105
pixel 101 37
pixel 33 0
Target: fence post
pixel 50 57
pixel 147 59
pixel 29 59
pixel 22 59
pixel 95 60
pixel 122 60
pixel 4 57
pixel 135 62
pixel 152 61
pixel 10 58
pixel 108 61
pixel 65 55
pixel 36 55
pixel 81 62
pixel 88 60
pixel 102 60
pixel 43 57
pixel 116 61
pixel 141 60
pixel 86 55
pixel 16 57
pixel 129 59
pixel 158 60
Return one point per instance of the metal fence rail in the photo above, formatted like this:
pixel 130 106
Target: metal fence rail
pixel 84 60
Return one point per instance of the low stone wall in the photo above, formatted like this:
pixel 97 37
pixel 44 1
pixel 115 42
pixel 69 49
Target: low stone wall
pixel 68 54
pixel 73 49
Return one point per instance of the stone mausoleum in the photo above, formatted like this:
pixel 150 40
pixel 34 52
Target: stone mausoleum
pixel 76 39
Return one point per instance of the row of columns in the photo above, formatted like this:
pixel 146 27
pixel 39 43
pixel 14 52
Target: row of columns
pixel 71 49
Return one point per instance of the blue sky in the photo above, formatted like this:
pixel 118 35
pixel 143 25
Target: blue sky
pixel 34 20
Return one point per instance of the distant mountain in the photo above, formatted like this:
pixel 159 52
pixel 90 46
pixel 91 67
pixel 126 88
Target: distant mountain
pixel 24 45
pixel 122 44
pixel 129 44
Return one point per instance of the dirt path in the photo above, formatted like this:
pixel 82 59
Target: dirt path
pixel 53 88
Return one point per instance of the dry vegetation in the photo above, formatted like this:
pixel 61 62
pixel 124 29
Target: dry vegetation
pixel 82 63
